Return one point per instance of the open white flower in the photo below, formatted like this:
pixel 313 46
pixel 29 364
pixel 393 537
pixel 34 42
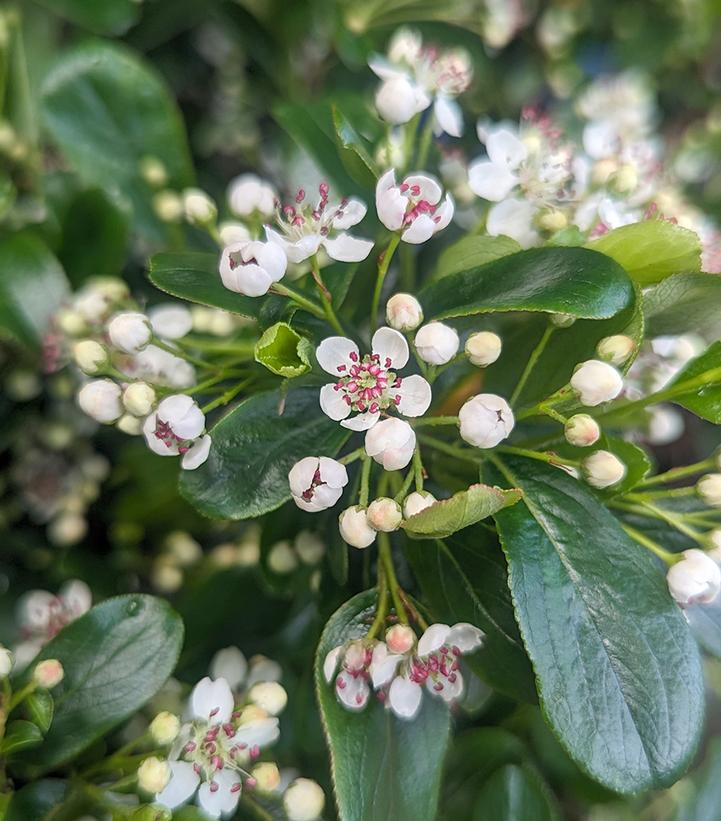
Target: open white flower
pixel 370 384
pixel 248 194
pixel 317 482
pixel 352 681
pixel 486 420
pixel 171 320
pixel 176 428
pixel 414 207
pixel 391 443
pixel 696 579
pixel 305 228
pixel 161 368
pixel 250 267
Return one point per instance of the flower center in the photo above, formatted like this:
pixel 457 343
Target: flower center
pixel 368 385
pixel 211 749
pixel 441 667
pixel 416 205
pixel 316 482
pixel 169 438
pixel 301 219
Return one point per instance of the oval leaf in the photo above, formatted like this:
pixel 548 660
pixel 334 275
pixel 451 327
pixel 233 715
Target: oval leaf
pixel 39 708
pixel 472 251
pixel 20 735
pixel 513 793
pixel 683 303
pixel 697 387
pixel 100 16
pixel 619 674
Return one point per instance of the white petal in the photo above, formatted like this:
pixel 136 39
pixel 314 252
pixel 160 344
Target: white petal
pixel 505 149
pixel 263 669
pixel 448 115
pixel 444 213
pixel 332 403
pixel 404 698
pixel 332 472
pixel 230 664
pixel 429 188
pixel 302 249
pixel 514 218
pixel 183 783
pixel 188 426
pixel 330 663
pixel 420 230
pixel 223 801
pixel 76 597
pixel 334 352
pixel 384 665
pixel 351 214
pixel 258 733
pixel 600 139
pixel 324 496
pixel 450 691
pixel 383 68
pixel 490 181
pixel 197 454
pixel 391 205
pixel 272 259
pixel 155 444
pixel 170 321
pixel 391 347
pixel 434 637
pixel 353 691
pixel 466 637
pixel 415 393
pixel 212 697
pixel 300 476
pixel 363 421
pixel 345 248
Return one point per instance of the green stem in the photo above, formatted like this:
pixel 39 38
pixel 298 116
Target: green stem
pixel 432 421
pixel 407 482
pixel 668 493
pixel 299 299
pixel 418 469
pixel 384 551
pixel 532 360
pixel 383 265
pixel 382 603
pixel 424 143
pixel 541 408
pixel 548 458
pixel 224 398
pixel 353 456
pixel 364 492
pixel 201 363
pixel 649 544
pixel 325 297
pixel 450 450
pixel 678 473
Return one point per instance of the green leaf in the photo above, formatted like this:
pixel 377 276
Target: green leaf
pixel 618 672
pixel 463 509
pixel 107 110
pixel 254 447
pixel 34 802
pixel 39 708
pixel 100 16
pixel 652 250
pixel 463 578
pixel 20 735
pixel 472 251
pixel 354 152
pixel 683 303
pixel 116 657
pixel 513 793
pixel 702 376
pixel 572 281
pixel 703 803
pixel 384 768
pixel 283 351
pixel 32 287
pixel 194 276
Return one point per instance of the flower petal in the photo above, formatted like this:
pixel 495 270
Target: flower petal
pixel 197 454
pixel 363 421
pixel 420 230
pixel 223 800
pixel 444 213
pixel 230 664
pixel 334 352
pixel 350 214
pixel 212 700
pixel 513 218
pixel 352 691
pixel 416 395
pixel 345 248
pixel 332 403
pixel 384 665
pixel 433 638
pixel 490 181
pixel 157 445
pixel 330 663
pixel 466 637
pixel 260 732
pixel 391 347
pixel 332 472
pixel 300 476
pixel 404 698
pixel 504 149
pixel 429 188
pixel 183 783
pixel 383 68
pixel 448 116
pixel 391 205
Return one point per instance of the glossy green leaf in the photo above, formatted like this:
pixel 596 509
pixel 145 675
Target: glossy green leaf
pixel 472 251
pixel 32 287
pixel 384 768
pixel 703 801
pixel 618 672
pixel 20 735
pixel 34 802
pixel 652 250
pixel 463 578
pixel 463 509
pixel 116 657
pixel 572 281
pixel 284 351
pixel 107 110
pixel 100 16
pixel 702 377
pixel 684 303
pixel 194 276
pixel 513 793
pixel 705 621
pixel 254 447
pixel 354 151
pixel 39 708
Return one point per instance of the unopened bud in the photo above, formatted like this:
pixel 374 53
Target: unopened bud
pixel 603 469
pixel 164 728
pixel 6 662
pixel 269 696
pixel 483 348
pixel 562 320
pixel 168 206
pixel 398 100
pixel 553 221
pixel 90 356
pixel 404 312
pixel 282 558
pixel 266 775
pixel 485 420
pixel 602 171
pixel 615 349
pixel 199 208
pixel 309 547
pixel 416 502
pixel 130 331
pixel 100 399
pixel 708 488
pixel 48 674
pixel 132 425
pixel 582 430
pixel 696 579
pixel 384 514
pixel 303 800
pixel 354 527
pixel 183 548
pixel 595 382
pixel 400 638
pixel 437 343
pixel 153 775
pixel 68 528
pixel 139 399
pixel 153 172
pixel 71 322
pixel 625 179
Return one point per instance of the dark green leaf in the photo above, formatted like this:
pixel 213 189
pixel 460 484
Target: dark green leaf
pixel 683 303
pixel 20 735
pixel 513 793
pixel 354 151
pixel 116 657
pixel 100 16
pixel 702 377
pixel 35 801
pixel 254 447
pixel 472 251
pixel 384 768
pixel 618 672
pixel 39 708
pixel 463 578
pixel 572 281
pixel 284 351
pixel 704 802
pixel 652 250
pixel 635 459
pixel 705 621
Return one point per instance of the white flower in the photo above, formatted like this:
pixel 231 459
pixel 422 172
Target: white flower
pixel 100 399
pixel 483 348
pixel 317 482
pixel 176 428
pixel 354 527
pixel 351 684
pixel 162 368
pixel 414 207
pixel 269 696
pixel 168 205
pixel 198 207
pixel 153 775
pixel 248 194
pixel 139 398
pixel 603 469
pixel 399 99
pixel 384 514
pixel 615 349
pixel 229 664
pixel 170 321
pixel 596 382
pixel 130 331
pixel 696 579
pixel 708 488
pixel 370 384
pixel 437 343
pixel 665 425
pixel 582 430
pixel 90 356
pixel 486 420
pixel 391 443
pixel 404 312
pixel 250 267
pixel 303 800
pixel 305 228
pixel 416 502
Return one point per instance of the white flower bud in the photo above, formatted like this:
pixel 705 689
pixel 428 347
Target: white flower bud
pixel 483 348
pixel 153 775
pixel 303 800
pixel 486 420
pixel 90 356
pixel 233 232
pixel 596 382
pixel 625 179
pixel 252 712
pixel 198 207
pixel 6 662
pixel 164 728
pixel 71 322
pixel 562 320
pixel 269 696
pixel 132 425
pixel 603 469
pixel 354 527
pixel 404 312
pixel 615 349
pixel 100 399
pixel 400 638
pixel 248 194
pixel 153 172
pixel 48 674
pixel 168 206
pixel 582 430
pixel 696 579
pixel 553 220
pixel 309 547
pixel 398 100
pixel 170 321
pixel 391 443
pixel 266 775
pixel 417 501
pixel 139 399
pixel 67 528
pixel 708 488
pixel 183 548
pixel 665 425
pixel 166 578
pixel 130 331
pixel 384 514
pixel 282 558
pixel 437 343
